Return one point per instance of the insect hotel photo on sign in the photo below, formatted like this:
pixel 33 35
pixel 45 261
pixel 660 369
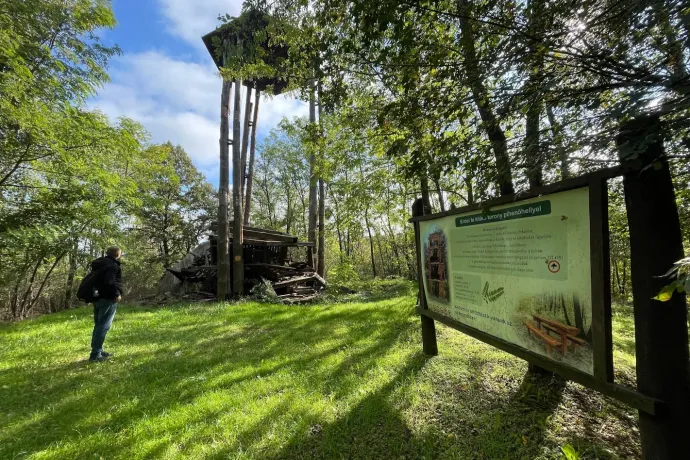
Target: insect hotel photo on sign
pixel 520 272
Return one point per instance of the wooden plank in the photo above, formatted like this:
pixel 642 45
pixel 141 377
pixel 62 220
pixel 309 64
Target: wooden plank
pixel 253 242
pixel 266 236
pixel 319 279
pixel 292 281
pixel 570 330
pixel 301 299
pixel 552 341
pixel 631 397
pixel 272 267
pixel 569 184
pixel 661 328
pixel 214 225
pixel 574 340
pixel 602 339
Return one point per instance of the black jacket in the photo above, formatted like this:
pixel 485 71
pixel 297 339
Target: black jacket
pixel 109 283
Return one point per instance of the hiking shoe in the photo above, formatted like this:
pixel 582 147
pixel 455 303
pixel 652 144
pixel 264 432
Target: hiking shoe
pixel 99 358
pixel 105 354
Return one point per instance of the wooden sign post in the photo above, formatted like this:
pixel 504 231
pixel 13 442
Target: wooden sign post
pixel 661 328
pixel 530 274
pixel 429 343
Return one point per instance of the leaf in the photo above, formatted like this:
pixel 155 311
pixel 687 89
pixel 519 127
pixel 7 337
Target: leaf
pixel 570 453
pixel 666 292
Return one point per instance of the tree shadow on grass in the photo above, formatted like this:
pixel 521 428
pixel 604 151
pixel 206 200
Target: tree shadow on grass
pixel 62 404
pixel 374 425
pixel 466 421
pixel 479 426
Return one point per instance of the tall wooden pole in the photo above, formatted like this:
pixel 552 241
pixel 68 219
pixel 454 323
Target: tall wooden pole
pixel 237 231
pixel 223 249
pixel 321 255
pixel 429 344
pixel 252 148
pixel 245 137
pixel 311 234
pixel 661 334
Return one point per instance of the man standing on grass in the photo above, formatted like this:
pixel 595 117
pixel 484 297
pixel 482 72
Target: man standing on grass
pixel 109 287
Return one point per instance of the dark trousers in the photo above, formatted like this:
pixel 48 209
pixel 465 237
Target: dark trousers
pixel 103 314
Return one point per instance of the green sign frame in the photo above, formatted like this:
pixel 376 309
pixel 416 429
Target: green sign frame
pixel 601 377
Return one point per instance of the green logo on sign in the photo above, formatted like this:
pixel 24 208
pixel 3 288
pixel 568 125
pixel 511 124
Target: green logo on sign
pixel 491 296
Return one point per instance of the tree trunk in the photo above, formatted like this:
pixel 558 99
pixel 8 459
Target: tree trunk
pixel 348 247
pixel 337 229
pixel 579 320
pixel 321 266
pixel 311 232
pixel 490 123
pixel 26 298
pixel 382 267
pixel 223 194
pixel 617 277
pixel 394 246
pixel 288 212
pixel 439 192
pixel 371 239
pixel 70 276
pixel 252 149
pixel 470 190
pixel 245 138
pixel 14 305
pixel 411 264
pixel 557 141
pixel 43 283
pixel 535 65
pixel 426 196
pixel 238 230
pixel 565 312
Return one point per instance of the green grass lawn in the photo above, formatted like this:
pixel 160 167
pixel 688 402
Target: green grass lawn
pixel 249 380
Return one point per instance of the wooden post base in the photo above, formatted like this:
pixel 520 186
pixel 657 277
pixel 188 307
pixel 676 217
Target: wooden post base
pixel 429 344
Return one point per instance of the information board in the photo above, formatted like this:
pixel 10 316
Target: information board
pixel 520 272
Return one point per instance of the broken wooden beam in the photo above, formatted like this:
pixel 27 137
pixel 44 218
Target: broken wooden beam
pixel 299 299
pixel 293 281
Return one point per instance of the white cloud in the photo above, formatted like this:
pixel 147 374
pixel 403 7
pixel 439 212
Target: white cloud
pixel 179 101
pixel 191 19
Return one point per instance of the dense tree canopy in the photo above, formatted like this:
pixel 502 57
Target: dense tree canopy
pixel 453 101
pixel 73 182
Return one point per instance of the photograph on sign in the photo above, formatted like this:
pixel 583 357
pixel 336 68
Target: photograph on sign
pixel 520 272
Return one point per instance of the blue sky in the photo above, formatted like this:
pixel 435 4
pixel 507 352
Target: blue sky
pixel 166 80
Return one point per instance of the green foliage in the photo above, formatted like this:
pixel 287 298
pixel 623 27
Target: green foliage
pixel 73 182
pixel 264 292
pixel 681 272
pixel 569 453
pixel 343 273
pixel 177 204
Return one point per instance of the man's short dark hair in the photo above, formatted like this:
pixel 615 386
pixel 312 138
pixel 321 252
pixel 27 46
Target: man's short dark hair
pixel 113 251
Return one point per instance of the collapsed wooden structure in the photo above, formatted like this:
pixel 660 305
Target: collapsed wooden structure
pixel 268 256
